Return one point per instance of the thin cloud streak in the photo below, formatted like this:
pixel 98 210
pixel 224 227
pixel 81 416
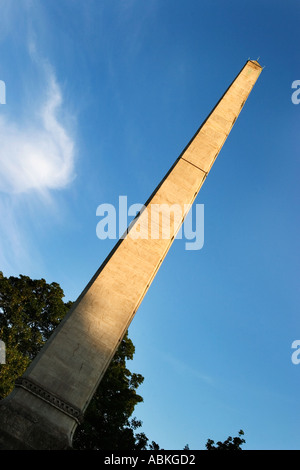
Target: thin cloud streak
pixel 185 369
pixel 16 250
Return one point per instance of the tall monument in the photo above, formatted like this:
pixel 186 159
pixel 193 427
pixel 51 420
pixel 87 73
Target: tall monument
pixel 50 399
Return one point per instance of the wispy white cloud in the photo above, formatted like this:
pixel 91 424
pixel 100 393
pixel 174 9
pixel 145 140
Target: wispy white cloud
pixel 39 156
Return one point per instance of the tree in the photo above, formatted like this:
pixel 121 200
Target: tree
pixel 107 422
pixel 229 444
pixel 29 312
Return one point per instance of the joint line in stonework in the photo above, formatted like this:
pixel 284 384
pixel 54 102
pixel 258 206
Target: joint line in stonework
pixel 206 172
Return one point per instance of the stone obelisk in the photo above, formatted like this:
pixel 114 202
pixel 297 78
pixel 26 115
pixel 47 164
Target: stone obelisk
pixel 49 400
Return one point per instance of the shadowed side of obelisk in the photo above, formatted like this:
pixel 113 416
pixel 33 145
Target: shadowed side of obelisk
pixel 50 398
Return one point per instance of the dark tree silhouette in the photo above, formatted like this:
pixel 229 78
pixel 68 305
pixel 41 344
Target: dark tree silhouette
pixel 230 443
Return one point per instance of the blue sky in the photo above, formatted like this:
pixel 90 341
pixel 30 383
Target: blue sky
pixel 101 98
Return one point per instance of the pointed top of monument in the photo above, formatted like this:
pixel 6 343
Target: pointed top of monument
pixel 255 62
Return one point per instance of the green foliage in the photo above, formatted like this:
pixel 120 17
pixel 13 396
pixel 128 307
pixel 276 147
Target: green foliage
pixel 29 312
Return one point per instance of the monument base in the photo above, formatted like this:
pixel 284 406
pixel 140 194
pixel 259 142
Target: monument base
pixel 20 430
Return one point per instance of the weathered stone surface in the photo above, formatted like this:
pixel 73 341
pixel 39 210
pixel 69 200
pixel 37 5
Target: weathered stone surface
pixel 76 356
